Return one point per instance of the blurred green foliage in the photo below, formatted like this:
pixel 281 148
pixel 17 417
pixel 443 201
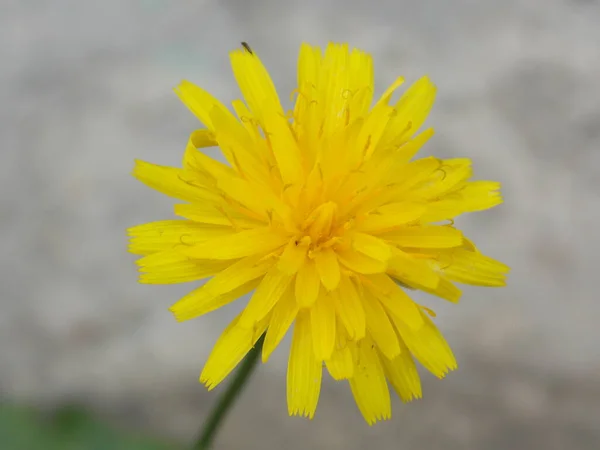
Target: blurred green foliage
pixel 69 428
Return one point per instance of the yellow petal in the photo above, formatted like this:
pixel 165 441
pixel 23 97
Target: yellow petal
pixel 361 83
pixel 333 82
pixel 390 216
pixel 283 315
pixel 333 154
pixel 371 246
pixel 474 268
pixel 237 146
pixel 428 345
pixel 171 266
pixel 205 213
pixel 341 365
pixel 372 130
pixel 480 195
pixel 246 194
pixel 402 375
pixel 219 301
pixel 360 263
pixel 446 290
pixel 250 124
pixel 284 147
pixel 238 245
pixel 256 198
pixel 170 181
pixel 261 96
pixel 308 284
pixel 407 150
pixel 304 371
pixel 293 257
pixel 235 275
pixel 445 209
pixel 229 350
pixel 309 62
pixel 411 111
pixel 322 320
pixel 395 300
pixel 328 268
pixel 369 385
pixel 200 102
pixel 404 177
pixel 425 237
pixel 387 95
pixel 391 178
pixel 209 169
pixel 218 290
pixel 254 82
pixel 170 234
pixel 473 196
pixel 306 112
pixel 268 293
pixel 204 138
pixel 380 328
pixel 450 177
pixel 412 271
pixel 349 308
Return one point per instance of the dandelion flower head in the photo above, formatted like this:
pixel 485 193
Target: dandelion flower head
pixel 324 215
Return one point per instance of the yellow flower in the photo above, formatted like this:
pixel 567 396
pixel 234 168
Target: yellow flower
pixel 321 213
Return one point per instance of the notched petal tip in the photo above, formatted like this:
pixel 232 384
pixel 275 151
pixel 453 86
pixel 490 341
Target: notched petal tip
pixel 451 367
pixel 382 418
pixel 303 413
pixel 137 165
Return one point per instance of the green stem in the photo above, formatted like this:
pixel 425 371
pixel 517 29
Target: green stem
pixel 224 404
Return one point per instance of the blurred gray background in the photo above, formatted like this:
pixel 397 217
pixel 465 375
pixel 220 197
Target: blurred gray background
pixel 86 87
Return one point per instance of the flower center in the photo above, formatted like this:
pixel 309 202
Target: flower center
pixel 321 226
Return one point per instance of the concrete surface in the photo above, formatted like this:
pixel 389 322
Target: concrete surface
pixel 86 87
